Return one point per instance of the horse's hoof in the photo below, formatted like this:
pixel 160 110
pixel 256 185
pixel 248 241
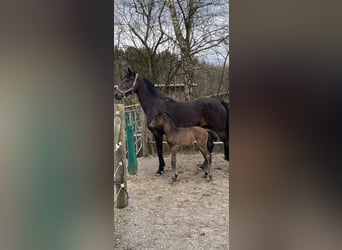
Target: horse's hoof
pixel 159 173
pixel 209 178
pixel 172 180
pixel 201 168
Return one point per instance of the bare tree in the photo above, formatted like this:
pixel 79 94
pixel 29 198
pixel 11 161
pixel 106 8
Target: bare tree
pixel 199 25
pixel 224 54
pixel 143 23
pixel 189 29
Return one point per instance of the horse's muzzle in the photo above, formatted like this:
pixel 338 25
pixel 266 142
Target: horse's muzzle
pixel 118 96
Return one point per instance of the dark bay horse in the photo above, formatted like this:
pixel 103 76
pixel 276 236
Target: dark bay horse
pixel 204 112
pixel 176 137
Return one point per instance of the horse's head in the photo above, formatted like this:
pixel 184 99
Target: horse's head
pixel 127 86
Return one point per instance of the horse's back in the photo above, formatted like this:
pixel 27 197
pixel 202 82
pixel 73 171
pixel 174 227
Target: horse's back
pixel 210 102
pixel 214 113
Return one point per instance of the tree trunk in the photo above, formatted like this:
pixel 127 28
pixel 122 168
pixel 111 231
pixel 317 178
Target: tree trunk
pixel 221 83
pixel 184 45
pixel 150 70
pixel 188 77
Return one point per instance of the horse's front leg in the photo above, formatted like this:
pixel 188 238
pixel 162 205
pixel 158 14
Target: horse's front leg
pixel 173 163
pixel 159 143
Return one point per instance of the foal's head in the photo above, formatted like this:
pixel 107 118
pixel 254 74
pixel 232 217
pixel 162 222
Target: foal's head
pixel 128 85
pixel 160 120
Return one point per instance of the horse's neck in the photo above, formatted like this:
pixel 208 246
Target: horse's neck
pixel 147 97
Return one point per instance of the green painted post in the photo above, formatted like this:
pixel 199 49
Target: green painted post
pixel 132 158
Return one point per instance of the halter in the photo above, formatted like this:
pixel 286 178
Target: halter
pixel 130 89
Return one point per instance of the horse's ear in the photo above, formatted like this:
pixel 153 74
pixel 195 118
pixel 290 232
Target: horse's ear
pixel 129 71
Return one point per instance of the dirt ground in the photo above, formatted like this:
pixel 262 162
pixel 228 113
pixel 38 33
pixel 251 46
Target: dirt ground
pixel 188 214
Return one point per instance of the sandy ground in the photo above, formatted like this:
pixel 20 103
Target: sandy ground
pixel 189 214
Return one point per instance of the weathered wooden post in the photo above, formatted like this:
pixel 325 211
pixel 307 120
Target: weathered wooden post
pixel 120 170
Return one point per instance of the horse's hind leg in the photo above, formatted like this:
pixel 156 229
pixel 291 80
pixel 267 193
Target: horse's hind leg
pixel 226 150
pixel 173 163
pixel 225 139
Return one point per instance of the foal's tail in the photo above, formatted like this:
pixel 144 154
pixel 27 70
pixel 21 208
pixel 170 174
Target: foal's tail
pixel 211 139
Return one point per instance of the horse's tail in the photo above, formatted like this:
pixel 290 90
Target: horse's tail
pixel 226 106
pixel 226 142
pixel 211 139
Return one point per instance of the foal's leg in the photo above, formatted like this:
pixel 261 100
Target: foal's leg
pixel 173 163
pixel 203 166
pixel 209 177
pixel 210 146
pixel 207 161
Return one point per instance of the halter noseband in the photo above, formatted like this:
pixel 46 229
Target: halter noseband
pixel 123 92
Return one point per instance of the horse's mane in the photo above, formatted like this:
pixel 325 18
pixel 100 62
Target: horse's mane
pixel 154 90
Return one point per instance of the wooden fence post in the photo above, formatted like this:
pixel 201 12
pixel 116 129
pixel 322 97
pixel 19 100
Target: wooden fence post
pixel 120 170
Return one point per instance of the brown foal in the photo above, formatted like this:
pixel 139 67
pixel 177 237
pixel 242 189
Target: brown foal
pixel 176 137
